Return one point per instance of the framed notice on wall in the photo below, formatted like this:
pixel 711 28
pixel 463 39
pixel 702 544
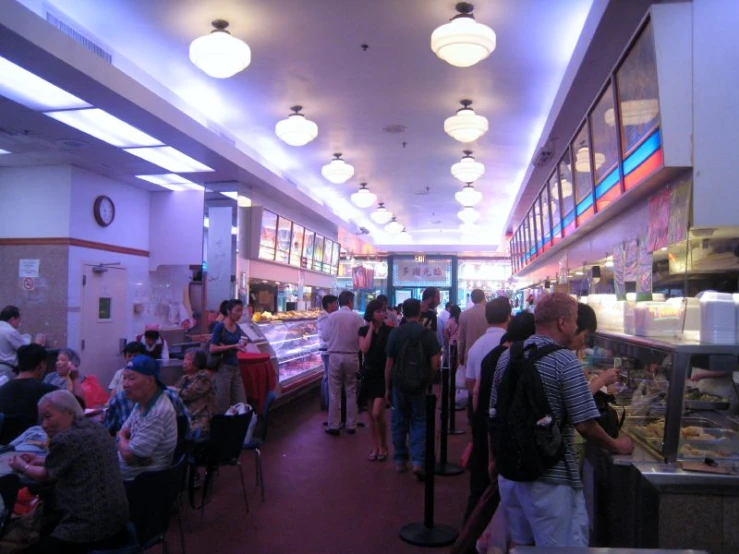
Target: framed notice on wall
pixel 308 244
pixel 419 274
pixel 268 236
pixel 318 254
pixel 296 245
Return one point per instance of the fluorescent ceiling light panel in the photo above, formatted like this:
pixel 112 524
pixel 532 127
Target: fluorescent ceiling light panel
pixel 170 181
pixel 34 92
pixel 103 126
pixel 232 195
pixel 4 151
pixel 170 159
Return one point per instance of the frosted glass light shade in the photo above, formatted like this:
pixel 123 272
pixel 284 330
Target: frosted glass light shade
pixel 381 215
pixel 363 198
pixel 582 160
pixel 219 54
pixel 394 227
pixel 468 215
pixel 468 196
pixel 566 188
pixel 466 125
pixel 468 170
pixel 463 41
pixel 337 170
pixel 634 112
pixel 296 129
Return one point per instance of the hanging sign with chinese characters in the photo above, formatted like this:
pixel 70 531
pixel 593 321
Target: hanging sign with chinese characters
pixel 409 273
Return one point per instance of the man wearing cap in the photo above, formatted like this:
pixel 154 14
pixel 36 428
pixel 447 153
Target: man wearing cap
pixel 147 440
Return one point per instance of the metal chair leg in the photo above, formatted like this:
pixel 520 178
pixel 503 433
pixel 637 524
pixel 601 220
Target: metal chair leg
pixel 243 486
pixel 260 471
pixel 182 528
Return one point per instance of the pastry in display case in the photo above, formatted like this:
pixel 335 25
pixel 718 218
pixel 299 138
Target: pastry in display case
pixel 680 399
pixel 292 340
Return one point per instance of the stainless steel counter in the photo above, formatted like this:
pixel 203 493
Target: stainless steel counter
pixel 580 550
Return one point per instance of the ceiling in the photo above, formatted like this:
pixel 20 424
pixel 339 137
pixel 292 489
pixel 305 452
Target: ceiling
pixel 310 53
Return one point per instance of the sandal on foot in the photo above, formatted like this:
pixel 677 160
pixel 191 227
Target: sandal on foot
pixel 373 457
pixel 381 457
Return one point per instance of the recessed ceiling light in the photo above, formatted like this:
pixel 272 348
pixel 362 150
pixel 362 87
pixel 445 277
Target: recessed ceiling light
pixel 170 159
pixel 231 194
pixel 170 181
pixel 24 87
pixel 206 222
pixel 4 151
pixel 103 126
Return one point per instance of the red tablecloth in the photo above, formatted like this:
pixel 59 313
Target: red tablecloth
pixel 258 376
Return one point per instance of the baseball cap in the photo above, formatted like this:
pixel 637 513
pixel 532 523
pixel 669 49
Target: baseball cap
pixel 146 365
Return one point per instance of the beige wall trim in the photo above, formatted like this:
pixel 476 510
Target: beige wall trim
pixel 62 241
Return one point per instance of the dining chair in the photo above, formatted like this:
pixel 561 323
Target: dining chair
pixel 256 443
pixel 9 485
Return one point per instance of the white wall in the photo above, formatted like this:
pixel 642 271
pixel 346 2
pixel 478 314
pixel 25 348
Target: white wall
pixel 36 201
pixel 175 228
pixel 715 113
pixel 130 228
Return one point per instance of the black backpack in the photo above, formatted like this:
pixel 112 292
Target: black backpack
pixel 412 372
pixel 487 373
pixel 526 439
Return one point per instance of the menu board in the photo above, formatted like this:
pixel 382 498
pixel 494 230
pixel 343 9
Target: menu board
pixel 534 230
pixel 307 260
pixel 284 233
pixel 328 252
pixel 268 236
pixel 318 254
pixel 567 197
pixel 296 245
pixel 605 138
pixel 335 259
pixel 583 177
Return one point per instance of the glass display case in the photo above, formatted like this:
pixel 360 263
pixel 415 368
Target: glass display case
pixel 679 399
pixel 292 343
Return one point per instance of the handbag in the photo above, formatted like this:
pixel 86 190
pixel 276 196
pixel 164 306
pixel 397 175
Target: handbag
pixel 609 418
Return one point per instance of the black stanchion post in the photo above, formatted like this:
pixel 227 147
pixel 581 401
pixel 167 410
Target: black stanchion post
pixel 427 533
pixel 453 397
pixel 444 467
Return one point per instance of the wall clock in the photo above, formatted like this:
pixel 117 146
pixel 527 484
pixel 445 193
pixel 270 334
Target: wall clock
pixel 104 211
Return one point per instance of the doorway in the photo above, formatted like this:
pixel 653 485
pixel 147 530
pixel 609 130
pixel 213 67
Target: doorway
pixel 103 319
pixel 401 294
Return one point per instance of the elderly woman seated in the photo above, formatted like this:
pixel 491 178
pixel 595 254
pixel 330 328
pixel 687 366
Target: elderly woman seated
pixel 197 392
pixel 90 500
pixel 68 377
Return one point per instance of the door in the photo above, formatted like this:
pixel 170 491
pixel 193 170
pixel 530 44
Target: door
pixel 402 295
pixel 103 320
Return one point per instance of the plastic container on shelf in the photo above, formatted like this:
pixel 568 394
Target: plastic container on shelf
pixel 736 304
pixel 607 311
pixel 659 319
pixel 718 317
pixel 692 325
pixel 627 308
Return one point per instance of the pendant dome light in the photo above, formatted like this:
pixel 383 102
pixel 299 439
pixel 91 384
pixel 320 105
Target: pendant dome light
pixel 466 125
pixel 381 215
pixel 337 170
pixel 468 215
pixel 363 198
pixel 219 54
pixel 394 227
pixel 634 112
pixel 566 187
pixel 296 129
pixel 463 41
pixel 582 160
pixel 468 170
pixel 468 196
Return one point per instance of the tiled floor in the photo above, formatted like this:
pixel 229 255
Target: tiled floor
pixel 322 496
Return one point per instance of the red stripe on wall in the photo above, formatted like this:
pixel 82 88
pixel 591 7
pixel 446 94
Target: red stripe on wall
pixel 587 214
pixel 609 196
pixel 650 165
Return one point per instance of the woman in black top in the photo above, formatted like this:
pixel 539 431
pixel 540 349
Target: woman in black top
pixel 372 343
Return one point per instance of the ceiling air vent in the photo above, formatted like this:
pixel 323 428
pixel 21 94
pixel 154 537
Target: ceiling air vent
pixel 78 37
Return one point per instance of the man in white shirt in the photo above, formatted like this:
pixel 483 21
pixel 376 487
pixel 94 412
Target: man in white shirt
pixel 341 335
pixel 497 313
pixel 10 341
pixel 330 304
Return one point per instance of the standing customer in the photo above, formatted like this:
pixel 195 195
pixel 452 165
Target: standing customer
pixel 451 335
pixel 88 490
pixel 373 344
pixel 330 304
pixel 226 340
pixel 10 341
pixel 472 325
pixel 550 511
pixel 341 334
pixel 409 407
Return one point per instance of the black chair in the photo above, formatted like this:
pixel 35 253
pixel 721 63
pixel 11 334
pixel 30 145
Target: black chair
pixel 256 443
pixel 12 426
pixel 131 546
pixel 227 434
pixel 9 485
pixel 181 427
pixel 152 496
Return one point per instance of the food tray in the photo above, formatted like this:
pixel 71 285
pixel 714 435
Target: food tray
pixel 706 405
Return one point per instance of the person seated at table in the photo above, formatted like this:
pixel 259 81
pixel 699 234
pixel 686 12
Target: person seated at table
pixel 197 392
pixel 91 509
pixel 147 440
pixel 131 349
pixel 19 397
pixel 154 345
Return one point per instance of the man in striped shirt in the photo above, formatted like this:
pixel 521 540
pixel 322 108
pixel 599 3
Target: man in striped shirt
pixel 551 510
